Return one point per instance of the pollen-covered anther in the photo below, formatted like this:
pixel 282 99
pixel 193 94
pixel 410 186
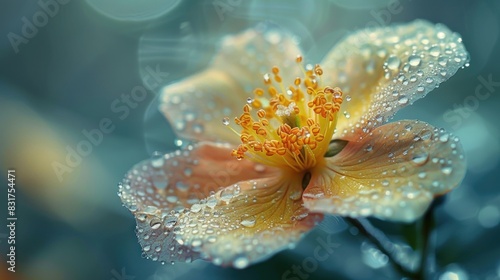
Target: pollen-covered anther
pixel 318 70
pixel 292 122
pixel 239 153
pixel 262 114
pixel 258 127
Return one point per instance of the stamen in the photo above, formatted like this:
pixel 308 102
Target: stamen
pixel 290 129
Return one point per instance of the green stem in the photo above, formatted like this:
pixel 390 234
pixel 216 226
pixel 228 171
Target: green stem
pixel 379 239
pixel 427 259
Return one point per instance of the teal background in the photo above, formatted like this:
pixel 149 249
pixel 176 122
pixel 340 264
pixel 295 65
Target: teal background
pixel 66 78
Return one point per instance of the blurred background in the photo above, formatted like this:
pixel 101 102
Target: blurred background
pixel 68 68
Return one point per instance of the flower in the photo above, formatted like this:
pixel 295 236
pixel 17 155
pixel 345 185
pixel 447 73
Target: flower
pixel 309 141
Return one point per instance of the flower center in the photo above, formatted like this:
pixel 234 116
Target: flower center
pixel 290 126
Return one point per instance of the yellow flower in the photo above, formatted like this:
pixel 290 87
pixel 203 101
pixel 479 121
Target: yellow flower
pixel 310 140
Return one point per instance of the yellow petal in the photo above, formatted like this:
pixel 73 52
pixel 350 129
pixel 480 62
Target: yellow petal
pixel 196 105
pixel 247 222
pixel 385 69
pixel 392 173
pixel 155 190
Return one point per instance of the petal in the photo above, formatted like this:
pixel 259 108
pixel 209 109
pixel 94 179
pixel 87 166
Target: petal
pixel 385 69
pixel 155 190
pixel 247 222
pixel 392 173
pixel 196 106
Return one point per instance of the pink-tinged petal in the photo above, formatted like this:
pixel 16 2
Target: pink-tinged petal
pixel 196 105
pixel 392 173
pixel 156 190
pixel 387 68
pixel 247 222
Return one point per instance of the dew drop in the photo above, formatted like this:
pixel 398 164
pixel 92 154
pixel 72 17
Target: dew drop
pixel 225 121
pixel 444 137
pixel 447 169
pixel 241 262
pixel 347 115
pixel 296 195
pixel 420 159
pixel 393 62
pixel 181 186
pixel 426 135
pixel 169 222
pixel 402 99
pixel 414 60
pixel 178 142
pixel 443 60
pixel 434 51
pixel 259 168
pixel 248 221
pixel 188 172
pixel 172 198
pixel 226 195
pixel 157 160
pixel 368 148
pixel 197 128
pixel 249 100
pixel 155 223
pixel 267 78
pixel 195 208
pixel 196 242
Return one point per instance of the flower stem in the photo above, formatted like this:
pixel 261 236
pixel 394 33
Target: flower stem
pixel 427 254
pixel 379 239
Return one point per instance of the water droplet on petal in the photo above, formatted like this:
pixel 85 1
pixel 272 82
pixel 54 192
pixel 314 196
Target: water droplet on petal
pixel 181 186
pixel 259 168
pixel 393 62
pixel 444 137
pixel 249 100
pixel 225 121
pixel 241 262
pixel 226 194
pixel 420 159
pixel 169 222
pixel 196 208
pixel 402 99
pixel 248 221
pixel 157 160
pixel 434 50
pixel 414 60
pixel 296 195
pixel 446 169
pixel 155 223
